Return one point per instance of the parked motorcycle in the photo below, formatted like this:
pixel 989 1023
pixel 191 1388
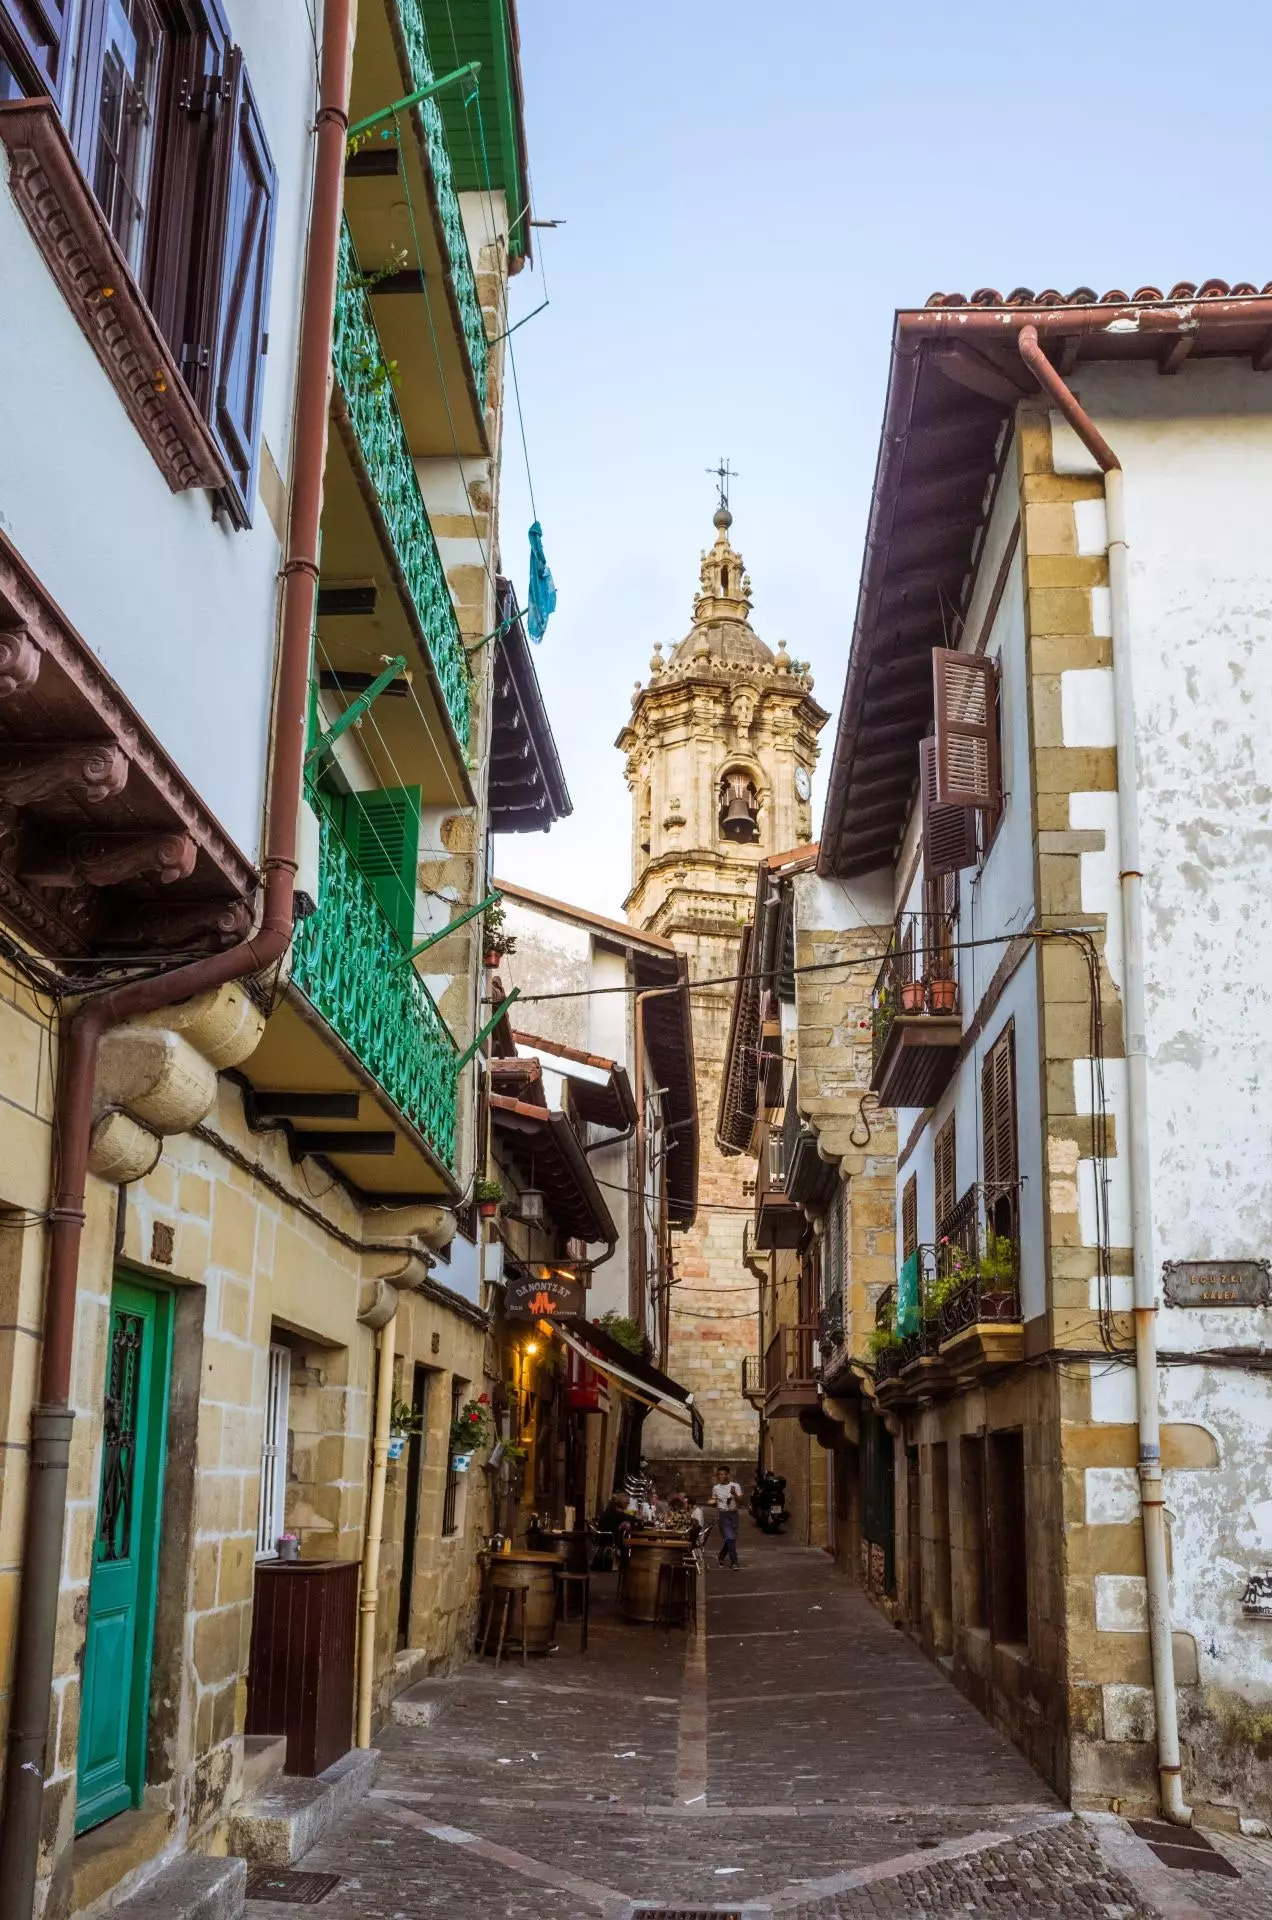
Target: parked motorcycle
pixel 768 1503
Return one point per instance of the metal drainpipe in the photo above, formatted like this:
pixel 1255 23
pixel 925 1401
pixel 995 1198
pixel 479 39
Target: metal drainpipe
pixel 1145 1291
pixel 52 1418
pixel 370 1596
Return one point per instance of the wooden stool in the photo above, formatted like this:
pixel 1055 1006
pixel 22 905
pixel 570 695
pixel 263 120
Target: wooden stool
pixel 510 1592
pixel 672 1602
pixel 583 1581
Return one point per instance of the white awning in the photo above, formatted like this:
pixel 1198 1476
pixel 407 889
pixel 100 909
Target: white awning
pixel 628 1383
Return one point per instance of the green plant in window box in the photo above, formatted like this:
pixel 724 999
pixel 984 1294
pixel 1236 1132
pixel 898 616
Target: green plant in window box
pixel 883 1340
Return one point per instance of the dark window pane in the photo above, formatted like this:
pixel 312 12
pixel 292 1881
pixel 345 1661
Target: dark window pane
pixel 126 103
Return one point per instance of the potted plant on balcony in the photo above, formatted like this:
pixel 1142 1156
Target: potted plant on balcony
pixel 496 940
pixel 403 1422
pixel 911 996
pixel 942 992
pixel 488 1194
pixel 470 1429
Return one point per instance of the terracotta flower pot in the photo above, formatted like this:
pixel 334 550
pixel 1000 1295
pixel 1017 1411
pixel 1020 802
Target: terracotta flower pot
pixel 912 996
pixel 488 1209
pixel 492 959
pixel 941 996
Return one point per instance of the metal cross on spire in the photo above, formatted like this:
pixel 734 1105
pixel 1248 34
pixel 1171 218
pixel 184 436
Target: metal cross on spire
pixel 722 475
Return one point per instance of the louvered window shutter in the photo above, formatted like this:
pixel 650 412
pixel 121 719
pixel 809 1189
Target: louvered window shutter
pixel 230 386
pixel 949 833
pixel 964 687
pixel 33 34
pixel 998 1113
pixel 909 1218
pixel 383 832
pixel 945 1171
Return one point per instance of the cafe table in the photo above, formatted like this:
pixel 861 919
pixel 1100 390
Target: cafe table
pixel 649 1550
pixel 533 1574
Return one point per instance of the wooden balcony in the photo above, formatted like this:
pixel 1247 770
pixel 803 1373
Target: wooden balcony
pixel 917 1024
pixel 753 1379
pixel 790 1370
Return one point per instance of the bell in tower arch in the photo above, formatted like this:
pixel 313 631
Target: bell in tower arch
pixel 739 807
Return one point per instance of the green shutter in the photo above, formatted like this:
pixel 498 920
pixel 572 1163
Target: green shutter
pixel 382 830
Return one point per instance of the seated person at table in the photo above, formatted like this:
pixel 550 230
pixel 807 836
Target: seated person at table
pixel 612 1526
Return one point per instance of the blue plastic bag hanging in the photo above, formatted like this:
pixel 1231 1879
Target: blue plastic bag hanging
pixel 542 586
pixel 908 1297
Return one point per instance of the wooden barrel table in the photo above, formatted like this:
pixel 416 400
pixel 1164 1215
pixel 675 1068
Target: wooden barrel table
pixel 534 1574
pixel 649 1552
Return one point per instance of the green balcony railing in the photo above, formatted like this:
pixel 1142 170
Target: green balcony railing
pixel 415 38
pixel 351 966
pixel 367 386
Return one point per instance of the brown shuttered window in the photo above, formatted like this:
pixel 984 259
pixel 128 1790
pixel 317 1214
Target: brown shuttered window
pixel 965 700
pixel 230 376
pixel 909 1218
pixel 949 833
pixel 998 1115
pixel 945 1171
pixel 34 48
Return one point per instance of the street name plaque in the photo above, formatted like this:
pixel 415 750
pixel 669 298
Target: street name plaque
pixel 1217 1283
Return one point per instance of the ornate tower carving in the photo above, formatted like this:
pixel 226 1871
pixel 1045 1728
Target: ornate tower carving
pixel 719 751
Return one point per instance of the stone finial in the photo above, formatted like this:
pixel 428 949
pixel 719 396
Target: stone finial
pixel 783 659
pixel 656 662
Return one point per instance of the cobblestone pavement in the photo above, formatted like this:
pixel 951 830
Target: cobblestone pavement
pixel 795 1756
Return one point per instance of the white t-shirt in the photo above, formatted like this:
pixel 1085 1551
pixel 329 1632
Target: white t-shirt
pixel 726 1494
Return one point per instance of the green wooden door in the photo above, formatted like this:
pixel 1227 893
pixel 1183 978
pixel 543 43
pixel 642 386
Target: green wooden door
pixel 121 1595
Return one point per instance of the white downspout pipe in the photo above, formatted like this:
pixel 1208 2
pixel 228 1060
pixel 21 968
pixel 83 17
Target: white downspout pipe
pixel 1144 1293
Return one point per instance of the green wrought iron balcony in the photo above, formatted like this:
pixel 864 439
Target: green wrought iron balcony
pixel 410 19
pixel 349 963
pixel 365 382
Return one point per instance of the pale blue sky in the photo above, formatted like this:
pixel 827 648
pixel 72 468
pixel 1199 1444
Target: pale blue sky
pixel 749 191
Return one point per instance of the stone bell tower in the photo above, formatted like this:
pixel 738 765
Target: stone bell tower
pixel 720 750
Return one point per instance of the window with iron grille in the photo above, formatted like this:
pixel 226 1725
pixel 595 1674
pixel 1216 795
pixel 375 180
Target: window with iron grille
pixel 945 1173
pixel 270 1510
pixel 450 1499
pixel 909 1218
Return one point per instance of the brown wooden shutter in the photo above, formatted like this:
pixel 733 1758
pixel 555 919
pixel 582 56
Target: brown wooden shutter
pixel 964 699
pixel 949 833
pixel 945 1171
pixel 909 1218
pixel 998 1113
pixel 230 386
pixel 187 197
pixel 33 34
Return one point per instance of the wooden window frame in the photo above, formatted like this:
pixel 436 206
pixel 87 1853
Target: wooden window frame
pixel 271 1507
pixel 35 44
pixel 949 832
pixel 967 772
pixel 1000 1135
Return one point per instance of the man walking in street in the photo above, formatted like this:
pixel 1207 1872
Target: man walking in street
pixel 726 1493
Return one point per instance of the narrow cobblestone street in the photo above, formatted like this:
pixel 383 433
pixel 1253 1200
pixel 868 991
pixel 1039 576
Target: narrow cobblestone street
pixel 796 1755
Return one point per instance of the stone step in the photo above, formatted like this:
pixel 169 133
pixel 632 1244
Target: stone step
pixel 264 1758
pixel 278 1823
pixel 192 1888
pixel 422 1704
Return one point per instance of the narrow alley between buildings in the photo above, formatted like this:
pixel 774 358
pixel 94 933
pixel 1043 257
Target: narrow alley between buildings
pixel 794 1754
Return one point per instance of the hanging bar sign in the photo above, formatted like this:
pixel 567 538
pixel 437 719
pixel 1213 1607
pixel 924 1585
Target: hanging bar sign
pixel 543 1293
pixel 1217 1283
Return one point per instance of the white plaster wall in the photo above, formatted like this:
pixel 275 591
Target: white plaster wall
pixel 1197 453
pixel 833 905
pixel 181 611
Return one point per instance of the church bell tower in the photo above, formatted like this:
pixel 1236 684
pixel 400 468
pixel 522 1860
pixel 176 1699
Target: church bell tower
pixel 720 750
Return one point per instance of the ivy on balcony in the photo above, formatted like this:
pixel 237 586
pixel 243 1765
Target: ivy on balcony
pixel 349 963
pixel 415 39
pixel 366 383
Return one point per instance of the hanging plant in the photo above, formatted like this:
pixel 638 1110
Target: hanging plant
pixel 470 1428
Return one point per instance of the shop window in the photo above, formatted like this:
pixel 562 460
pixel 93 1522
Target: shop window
pixel 271 1507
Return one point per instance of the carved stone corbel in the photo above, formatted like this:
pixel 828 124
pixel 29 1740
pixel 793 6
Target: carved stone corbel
pixel 19 661
pixel 92 770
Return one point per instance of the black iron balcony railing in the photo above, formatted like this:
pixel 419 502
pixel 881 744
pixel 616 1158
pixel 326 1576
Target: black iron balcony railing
pixel 978 1260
